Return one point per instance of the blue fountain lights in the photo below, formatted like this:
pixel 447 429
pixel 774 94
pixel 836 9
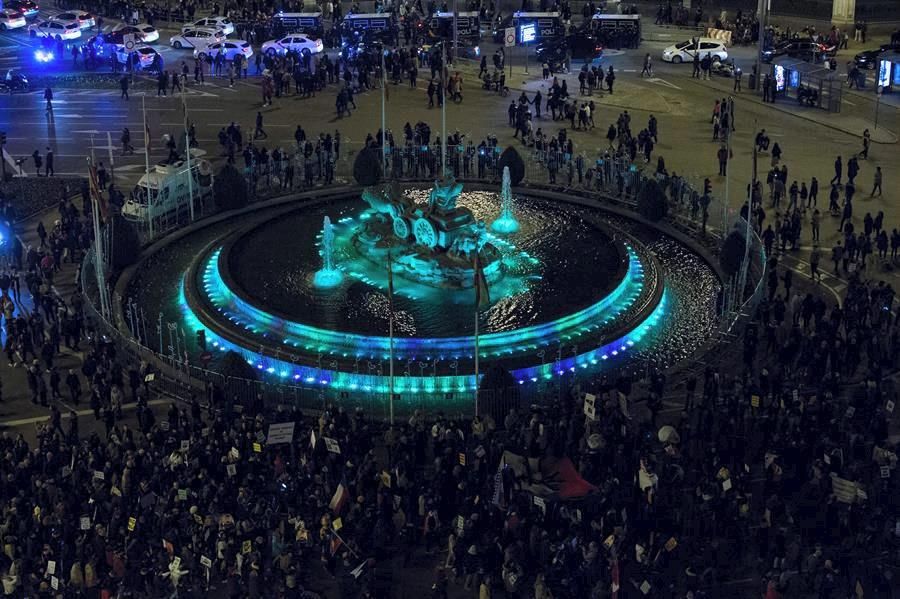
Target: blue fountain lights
pixel 313 339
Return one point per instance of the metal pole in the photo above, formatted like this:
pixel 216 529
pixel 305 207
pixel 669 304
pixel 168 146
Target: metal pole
pixel 455 30
pixel 476 360
pixel 877 103
pixel 383 119
pixel 147 162
pixel 727 178
pixel 112 162
pixel 443 97
pixel 391 342
pixel 187 149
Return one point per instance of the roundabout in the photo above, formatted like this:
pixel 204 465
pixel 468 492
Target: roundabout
pixel 574 291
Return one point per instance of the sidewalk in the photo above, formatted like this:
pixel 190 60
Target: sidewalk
pixel 851 125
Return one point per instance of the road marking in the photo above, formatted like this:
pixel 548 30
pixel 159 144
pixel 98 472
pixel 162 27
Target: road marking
pixel 79 413
pixel 846 101
pixel 659 81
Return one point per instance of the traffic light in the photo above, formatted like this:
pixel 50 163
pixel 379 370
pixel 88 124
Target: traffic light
pixel 201 339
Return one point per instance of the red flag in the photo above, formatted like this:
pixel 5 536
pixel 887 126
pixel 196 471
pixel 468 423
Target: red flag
pixel 482 293
pixel 96 193
pixel 339 500
pixel 335 544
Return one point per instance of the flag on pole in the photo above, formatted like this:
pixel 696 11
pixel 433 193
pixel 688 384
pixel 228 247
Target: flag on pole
pixel 339 500
pixel 96 193
pixel 482 293
pixel 335 543
pixel 146 137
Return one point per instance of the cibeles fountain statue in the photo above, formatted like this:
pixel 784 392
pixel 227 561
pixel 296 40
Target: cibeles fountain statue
pixel 434 244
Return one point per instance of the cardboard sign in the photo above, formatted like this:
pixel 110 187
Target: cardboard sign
pixel 590 406
pixel 671 544
pixel 331 445
pixel 539 501
pixel 885 472
pixel 645 587
pixel 257 448
pixel 115 491
pixel 205 561
pixel 51 567
pixel 149 378
pixel 462 459
pixel 337 524
pixel 85 523
pixel 185 445
pixel 386 478
pixel 889 406
pixel 754 401
pixel 609 541
pixel 54 582
pixel 726 484
pixel 98 474
pixel 132 523
pixel 231 469
pixel 480 452
pixel 460 524
pixel 246 547
pixel 182 495
pixel 280 433
pixel 176 563
pixel 198 519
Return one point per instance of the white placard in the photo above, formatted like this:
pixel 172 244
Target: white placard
pixel 205 561
pixel 51 567
pixel 280 433
pixel 332 445
pixel 85 523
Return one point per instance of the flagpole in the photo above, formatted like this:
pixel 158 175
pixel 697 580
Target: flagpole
pixel 443 96
pixel 98 246
pixel 187 149
pixel 383 119
pixel 391 337
pixel 147 161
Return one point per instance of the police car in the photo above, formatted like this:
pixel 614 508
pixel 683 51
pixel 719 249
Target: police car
pixel 11 19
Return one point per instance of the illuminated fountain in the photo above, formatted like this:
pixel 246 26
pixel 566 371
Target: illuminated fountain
pixel 506 223
pixel 329 275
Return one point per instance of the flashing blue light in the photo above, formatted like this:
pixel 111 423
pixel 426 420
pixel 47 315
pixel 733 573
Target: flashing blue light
pixel 43 56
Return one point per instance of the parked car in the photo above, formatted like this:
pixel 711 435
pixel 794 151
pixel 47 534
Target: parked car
pixel 58 30
pixel 685 51
pixel 11 19
pixel 196 38
pixel 144 31
pixel 85 19
pixel 222 23
pixel 231 48
pixel 580 45
pixel 293 43
pixel 868 59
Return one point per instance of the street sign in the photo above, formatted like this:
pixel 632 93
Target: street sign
pixel 128 42
pixel 509 37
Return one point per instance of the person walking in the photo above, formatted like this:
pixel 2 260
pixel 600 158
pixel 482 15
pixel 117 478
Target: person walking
pixel 259 131
pixel 48 96
pixel 124 82
pixel 723 160
pixel 737 78
pixel 696 62
pixel 815 256
pixel 876 182
pixel 610 79
pixel 838 171
pixel 648 66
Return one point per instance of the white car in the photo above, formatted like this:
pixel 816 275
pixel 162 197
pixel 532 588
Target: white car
pixel 11 19
pixel 222 23
pixel 146 55
pixel 196 38
pixel 293 43
pixel 58 30
pixel 685 51
pixel 144 31
pixel 231 48
pixel 85 19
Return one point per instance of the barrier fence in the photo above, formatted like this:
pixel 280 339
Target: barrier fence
pixel 617 181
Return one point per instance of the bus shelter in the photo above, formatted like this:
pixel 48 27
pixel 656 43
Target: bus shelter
pixel 807 83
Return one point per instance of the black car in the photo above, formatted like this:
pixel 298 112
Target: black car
pixel 26 7
pixel 803 49
pixel 579 46
pixel 868 59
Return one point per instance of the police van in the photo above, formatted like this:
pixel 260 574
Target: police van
pixel 165 192
pixel 546 25
pixel 617 31
pixel 369 27
pixel 299 22
pixel 468 26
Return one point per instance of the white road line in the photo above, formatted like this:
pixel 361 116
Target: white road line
pixel 36 419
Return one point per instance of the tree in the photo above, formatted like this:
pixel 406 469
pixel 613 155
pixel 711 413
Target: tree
pixel 511 158
pixel 652 203
pixel 124 243
pixel 229 189
pixel 367 167
pixel 732 254
pixel 234 365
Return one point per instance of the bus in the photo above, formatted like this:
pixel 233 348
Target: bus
pixel 167 187
pixel 547 25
